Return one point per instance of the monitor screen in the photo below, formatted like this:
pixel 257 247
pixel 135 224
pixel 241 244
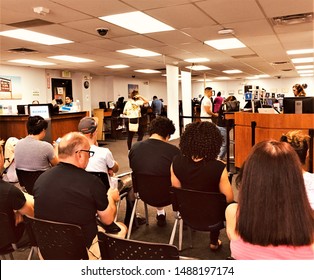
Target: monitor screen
pixel 298 105
pixel 43 110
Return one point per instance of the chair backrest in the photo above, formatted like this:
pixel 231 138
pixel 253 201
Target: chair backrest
pixel 58 241
pixel 7 235
pixel 103 177
pixel 114 248
pixel 202 211
pixel 27 179
pixel 153 190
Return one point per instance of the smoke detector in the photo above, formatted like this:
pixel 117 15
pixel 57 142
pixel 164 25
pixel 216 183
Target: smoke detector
pixel 41 10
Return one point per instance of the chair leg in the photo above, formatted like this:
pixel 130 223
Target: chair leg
pixel 33 250
pixel 146 213
pixel 180 234
pixel 132 218
pixel 190 237
pixel 174 229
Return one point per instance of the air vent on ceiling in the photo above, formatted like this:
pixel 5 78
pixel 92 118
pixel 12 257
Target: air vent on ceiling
pixel 279 62
pixel 286 70
pixel 22 50
pixel 245 56
pixel 30 23
pixel 292 19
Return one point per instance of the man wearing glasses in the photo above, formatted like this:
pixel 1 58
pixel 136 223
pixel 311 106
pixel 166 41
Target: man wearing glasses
pixel 67 193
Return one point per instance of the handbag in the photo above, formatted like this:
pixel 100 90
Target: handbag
pixel 133 124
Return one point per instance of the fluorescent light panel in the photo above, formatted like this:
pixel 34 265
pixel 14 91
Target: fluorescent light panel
pixel 225 44
pixel 302 51
pixel 306 75
pixel 304 67
pixel 34 37
pixel 305 71
pixel 222 78
pixel 31 62
pixel 137 22
pixel 71 58
pixel 235 71
pixel 198 67
pixel 302 60
pixel 196 60
pixel 117 66
pixel 139 52
pixel 147 71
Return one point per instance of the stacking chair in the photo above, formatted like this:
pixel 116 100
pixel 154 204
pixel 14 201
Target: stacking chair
pixel 27 179
pixel 114 248
pixel 152 190
pixel 7 237
pixel 201 211
pixel 58 241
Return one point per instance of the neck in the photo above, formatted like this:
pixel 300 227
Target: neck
pixel 158 137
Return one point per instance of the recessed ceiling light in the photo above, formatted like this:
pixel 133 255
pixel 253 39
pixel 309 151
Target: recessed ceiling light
pixel 117 66
pixel 139 52
pixel 235 71
pixel 304 67
pixel 137 22
pixel 262 76
pixel 198 67
pixel 305 71
pixel 147 71
pixel 34 37
pixel 196 60
pixel 302 60
pixel 306 75
pixel 225 44
pixel 31 62
pixel 303 51
pixel 70 58
pixel 202 80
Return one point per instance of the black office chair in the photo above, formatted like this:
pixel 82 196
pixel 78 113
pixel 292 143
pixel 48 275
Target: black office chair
pixel 152 190
pixel 27 179
pixel 8 240
pixel 58 241
pixel 201 211
pixel 114 248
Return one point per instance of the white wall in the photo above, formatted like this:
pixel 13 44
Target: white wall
pixel 35 85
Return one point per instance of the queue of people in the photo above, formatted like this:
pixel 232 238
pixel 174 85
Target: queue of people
pixel 272 218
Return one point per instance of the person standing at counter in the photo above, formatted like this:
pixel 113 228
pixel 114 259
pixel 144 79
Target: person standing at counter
pixel 298 90
pixel 132 110
pixel 31 153
pixel 207 105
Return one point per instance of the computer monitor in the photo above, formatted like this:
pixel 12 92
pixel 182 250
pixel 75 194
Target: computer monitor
pixel 102 105
pixel 298 105
pixel 21 109
pixel 248 96
pixel 43 110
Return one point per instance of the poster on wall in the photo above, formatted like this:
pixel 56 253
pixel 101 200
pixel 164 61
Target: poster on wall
pixel 131 87
pixel 10 87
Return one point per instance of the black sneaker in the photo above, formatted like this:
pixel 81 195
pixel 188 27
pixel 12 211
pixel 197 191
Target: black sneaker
pixel 161 220
pixel 140 220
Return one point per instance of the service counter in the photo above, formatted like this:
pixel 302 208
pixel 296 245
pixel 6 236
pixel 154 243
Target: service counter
pixel 252 128
pixel 59 124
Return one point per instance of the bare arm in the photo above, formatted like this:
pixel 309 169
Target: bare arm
pixel 107 216
pixel 209 111
pixel 174 180
pixel 225 186
pixel 54 161
pixel 113 169
pixel 231 219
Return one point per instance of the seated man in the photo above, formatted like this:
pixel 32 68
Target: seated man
pixel 154 155
pixel 14 203
pixel 31 153
pixel 67 193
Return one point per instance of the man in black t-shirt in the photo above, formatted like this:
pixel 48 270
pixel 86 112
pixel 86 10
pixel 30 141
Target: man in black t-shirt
pixel 154 155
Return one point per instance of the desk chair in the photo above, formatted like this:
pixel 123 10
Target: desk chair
pixel 8 242
pixel 152 190
pixel 113 248
pixel 58 241
pixel 201 211
pixel 27 179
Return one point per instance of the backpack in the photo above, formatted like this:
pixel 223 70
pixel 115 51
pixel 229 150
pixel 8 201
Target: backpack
pixel 232 106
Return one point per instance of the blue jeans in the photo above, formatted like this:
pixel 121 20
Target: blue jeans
pixel 223 149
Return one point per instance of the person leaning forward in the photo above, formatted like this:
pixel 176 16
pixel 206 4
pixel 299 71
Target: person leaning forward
pixel 67 193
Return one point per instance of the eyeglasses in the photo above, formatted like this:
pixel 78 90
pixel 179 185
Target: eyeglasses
pixel 91 153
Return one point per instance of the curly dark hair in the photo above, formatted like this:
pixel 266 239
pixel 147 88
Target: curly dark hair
pixel 161 126
pixel 36 124
pixel 201 140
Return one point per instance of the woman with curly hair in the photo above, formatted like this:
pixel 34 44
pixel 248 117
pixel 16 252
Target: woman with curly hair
pixel 197 167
